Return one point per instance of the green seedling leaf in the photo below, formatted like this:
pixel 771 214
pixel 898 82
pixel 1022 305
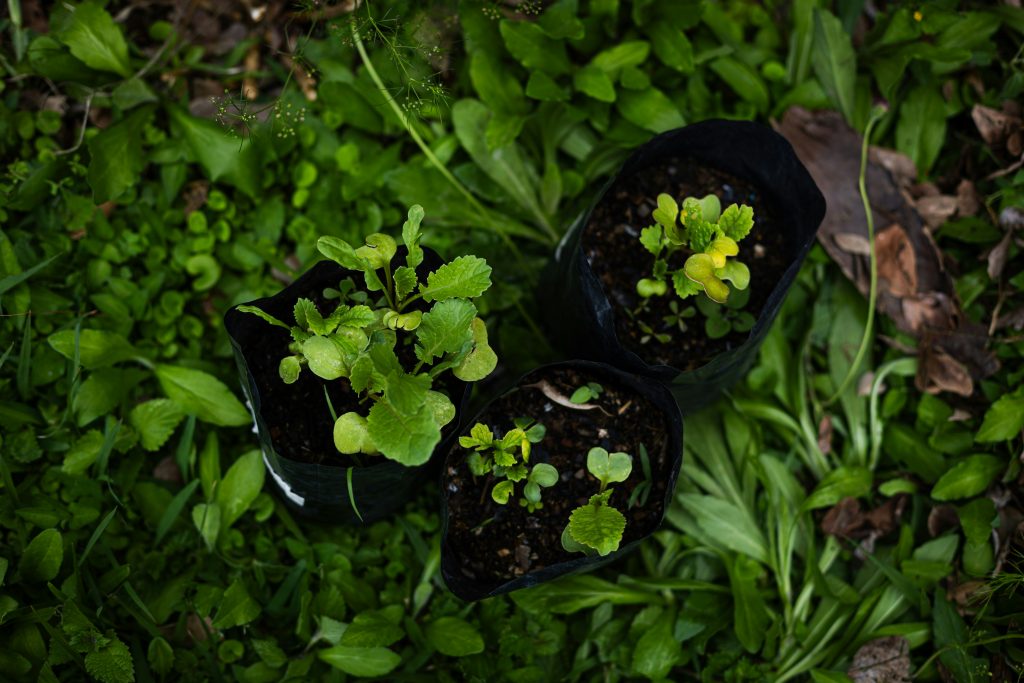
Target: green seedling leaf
pixel 544 475
pixel 750 614
pixel 446 328
pixel 711 208
pixel 441 407
pixel 342 253
pixel 411 235
pixel 202 395
pixel 263 315
pixel 666 213
pixel 454 637
pixel 352 435
pixel 684 286
pixel 42 557
pixel 481 360
pixel 367 662
pixel 206 518
pixel 111 663
pixel 835 62
pixel 94 38
pixel 289 369
pixel 609 468
pixel 720 249
pixel 115 156
pixel 480 437
pixel 408 438
pixel 1004 419
pixel 502 491
pixel 735 272
pixel 969 477
pixel 378 250
pixel 405 282
pixel 737 221
pixel 96 348
pixel 701 269
pixel 155 421
pixel 236 608
pixel 647 287
pixel 325 358
pixel 842 482
pixel 240 486
pixel 466 276
pixel 597 525
pixel 651 238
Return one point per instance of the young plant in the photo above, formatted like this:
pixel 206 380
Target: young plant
pixel 720 320
pixel 508 458
pixel 596 528
pixel 359 342
pixel 586 393
pixel 709 237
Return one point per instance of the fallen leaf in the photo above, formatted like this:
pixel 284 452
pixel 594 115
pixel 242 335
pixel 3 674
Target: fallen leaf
pixel 898 164
pixel 967 203
pixel 938 371
pixel 994 126
pixel 853 244
pixel 167 470
pixel 1013 320
pixel 882 660
pixel 843 518
pixel 941 519
pixel 937 209
pixel 965 595
pixel 997 256
pixel 897 267
pixel 825 435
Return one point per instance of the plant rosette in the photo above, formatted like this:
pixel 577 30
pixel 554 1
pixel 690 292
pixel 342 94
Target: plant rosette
pixel 567 470
pixel 684 258
pixel 359 370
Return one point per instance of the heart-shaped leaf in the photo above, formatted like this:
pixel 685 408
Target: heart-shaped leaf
pixel 609 468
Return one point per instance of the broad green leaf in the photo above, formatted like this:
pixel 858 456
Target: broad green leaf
pixel 465 277
pixel 842 482
pixel 111 663
pixel 351 434
pixel 445 328
pixel 378 250
pixel 496 84
pixel 325 358
pixel 532 48
pixel 650 238
pixel 361 661
pixel 590 80
pixel 221 156
pixel 649 109
pixel 341 252
pixel 737 221
pixel 835 62
pixel 131 93
pixel 502 491
pixel 454 637
pixel 744 81
pixel 405 282
pixel 372 629
pixel 544 475
pixel 750 614
pixel 969 477
pixel 481 360
pixel 597 526
pixel 671 46
pixel 155 421
pixel 116 157
pixel 240 486
pixel 207 519
pixel 621 56
pixel 735 272
pixel 406 393
pixel 977 519
pixel 202 395
pixel 542 87
pixel 94 38
pixel 951 640
pixel 96 348
pixel 657 650
pixel 921 129
pixel 726 524
pixel 561 20
pixel 236 607
pixel 160 656
pixel 83 453
pixel 667 212
pixel 41 559
pixel 408 438
pixel 441 407
pixel 288 369
pixel 1004 419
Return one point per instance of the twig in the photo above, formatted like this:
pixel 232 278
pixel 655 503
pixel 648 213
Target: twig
pixel 81 131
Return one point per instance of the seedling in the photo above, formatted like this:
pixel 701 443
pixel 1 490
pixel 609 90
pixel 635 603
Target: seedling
pixel 359 341
pixel 586 393
pixel 596 528
pixel 507 459
pixel 720 320
pixel 709 237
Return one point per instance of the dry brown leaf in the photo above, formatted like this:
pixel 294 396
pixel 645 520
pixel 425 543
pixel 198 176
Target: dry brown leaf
pixel 997 256
pixel 967 203
pixel 994 125
pixel 883 660
pixel 167 470
pixel 901 166
pixel 938 371
pixel 941 519
pixel 897 267
pixel 853 244
pixel 825 435
pixel 843 518
pixel 937 209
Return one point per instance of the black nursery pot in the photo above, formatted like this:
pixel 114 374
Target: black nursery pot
pixel 741 162
pixel 294 423
pixel 518 549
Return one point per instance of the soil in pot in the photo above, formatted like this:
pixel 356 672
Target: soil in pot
pixel 297 415
pixel 498 543
pixel 610 241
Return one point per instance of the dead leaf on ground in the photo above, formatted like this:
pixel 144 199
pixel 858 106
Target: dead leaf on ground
pixel 930 312
pixel 937 371
pixel 883 660
pixel 998 255
pixel 897 268
pixel 937 209
pixel 825 435
pixel 967 202
pixel 941 519
pixel 843 518
pixel 898 164
pixel 995 126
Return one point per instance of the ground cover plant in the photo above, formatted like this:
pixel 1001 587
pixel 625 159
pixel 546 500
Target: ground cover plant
pixel 851 511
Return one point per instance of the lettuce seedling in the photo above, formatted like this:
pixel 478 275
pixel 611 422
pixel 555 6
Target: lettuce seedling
pixel 596 528
pixel 360 339
pixel 709 237
pixel 507 459
pixel 586 393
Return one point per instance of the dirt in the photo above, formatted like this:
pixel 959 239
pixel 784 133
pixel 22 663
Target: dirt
pixel 496 543
pixel 611 244
pixel 297 415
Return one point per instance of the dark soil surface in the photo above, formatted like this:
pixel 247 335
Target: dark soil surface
pixel 611 243
pixel 515 541
pixel 297 415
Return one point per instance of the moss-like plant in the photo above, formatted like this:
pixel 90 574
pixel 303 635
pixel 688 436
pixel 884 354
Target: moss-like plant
pixel 596 528
pixel 508 459
pixel 360 340
pixel 709 237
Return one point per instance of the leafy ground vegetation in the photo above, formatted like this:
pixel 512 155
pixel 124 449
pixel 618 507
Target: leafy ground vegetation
pixel 849 512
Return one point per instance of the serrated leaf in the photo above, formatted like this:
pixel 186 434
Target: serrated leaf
pixel 202 395
pixel 42 557
pixel 597 526
pixel 112 663
pixel 236 607
pixel 96 348
pixel 155 421
pixel 466 277
pixel 411 235
pixel 650 238
pixel 93 37
pixel 408 438
pixel 405 282
pixel 737 221
pixel 407 393
pixel 446 328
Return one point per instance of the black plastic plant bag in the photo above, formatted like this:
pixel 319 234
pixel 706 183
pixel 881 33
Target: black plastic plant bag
pixel 582 321
pixel 471 589
pixel 321 490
